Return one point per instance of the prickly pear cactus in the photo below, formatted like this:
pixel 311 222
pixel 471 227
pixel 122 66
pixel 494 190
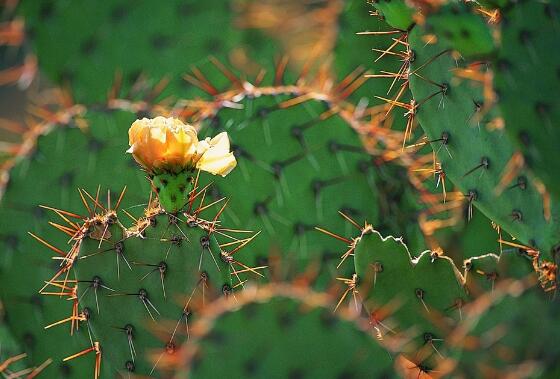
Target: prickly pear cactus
pixel 86 45
pixel 396 13
pixel 462 28
pixel 12 359
pixel 132 288
pixel 296 155
pixel 530 107
pixel 424 307
pixel 63 160
pixel 288 331
pixel 411 299
pixel 501 333
pixel 473 155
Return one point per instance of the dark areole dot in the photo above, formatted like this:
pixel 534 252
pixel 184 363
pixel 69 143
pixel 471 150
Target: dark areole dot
pixel 205 242
pixel 160 41
pixel 129 366
pixel 170 348
pixel 29 340
pixel 89 46
pixel 226 290
pixel 328 319
pixel 95 145
pixel 524 36
pixel 277 169
pixel 260 209
pixel 65 370
pixel 300 228
pixel 296 373
pixel 119 12
pixel 11 241
pixel 47 10
pixel 503 64
pixel 251 366
pixel 524 138
pixel 66 179
pixel 36 301
pixel 542 108
pixel 347 374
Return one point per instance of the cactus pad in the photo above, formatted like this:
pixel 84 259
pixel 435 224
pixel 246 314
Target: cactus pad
pixel 296 155
pixel 531 108
pixel 472 155
pixel 84 44
pixel 281 331
pixel 63 159
pixel 412 298
pixel 126 282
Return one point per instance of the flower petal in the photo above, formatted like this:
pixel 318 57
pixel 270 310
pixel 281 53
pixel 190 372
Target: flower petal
pixel 216 157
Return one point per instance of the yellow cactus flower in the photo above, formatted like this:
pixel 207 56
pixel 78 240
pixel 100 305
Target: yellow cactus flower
pixel 168 145
pixel 215 156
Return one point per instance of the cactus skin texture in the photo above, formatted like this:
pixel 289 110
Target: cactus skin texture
pixel 474 157
pixel 82 44
pixel 296 159
pixel 12 359
pixel 68 158
pixel 395 12
pixel 531 108
pixel 509 325
pixel 462 29
pixel 413 299
pixel 64 159
pixel 131 283
pixel 425 309
pixel 281 331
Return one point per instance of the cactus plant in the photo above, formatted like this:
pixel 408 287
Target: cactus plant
pixel 65 158
pixel 105 39
pixel 501 333
pixel 474 158
pixel 288 331
pixel 92 140
pixel 12 360
pixel 145 296
pixel 119 278
pixel 478 157
pixel 411 299
pixel 529 107
pixel 422 306
pixel 296 153
pixel 178 238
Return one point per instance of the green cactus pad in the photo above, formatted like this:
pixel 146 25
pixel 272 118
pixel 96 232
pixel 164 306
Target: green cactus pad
pixel 132 283
pixel 84 44
pixel 280 331
pixel 64 159
pixel 511 324
pixel 414 299
pixel 466 32
pixel 12 357
pixel 300 169
pixel 396 13
pixel 531 107
pixel 472 156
